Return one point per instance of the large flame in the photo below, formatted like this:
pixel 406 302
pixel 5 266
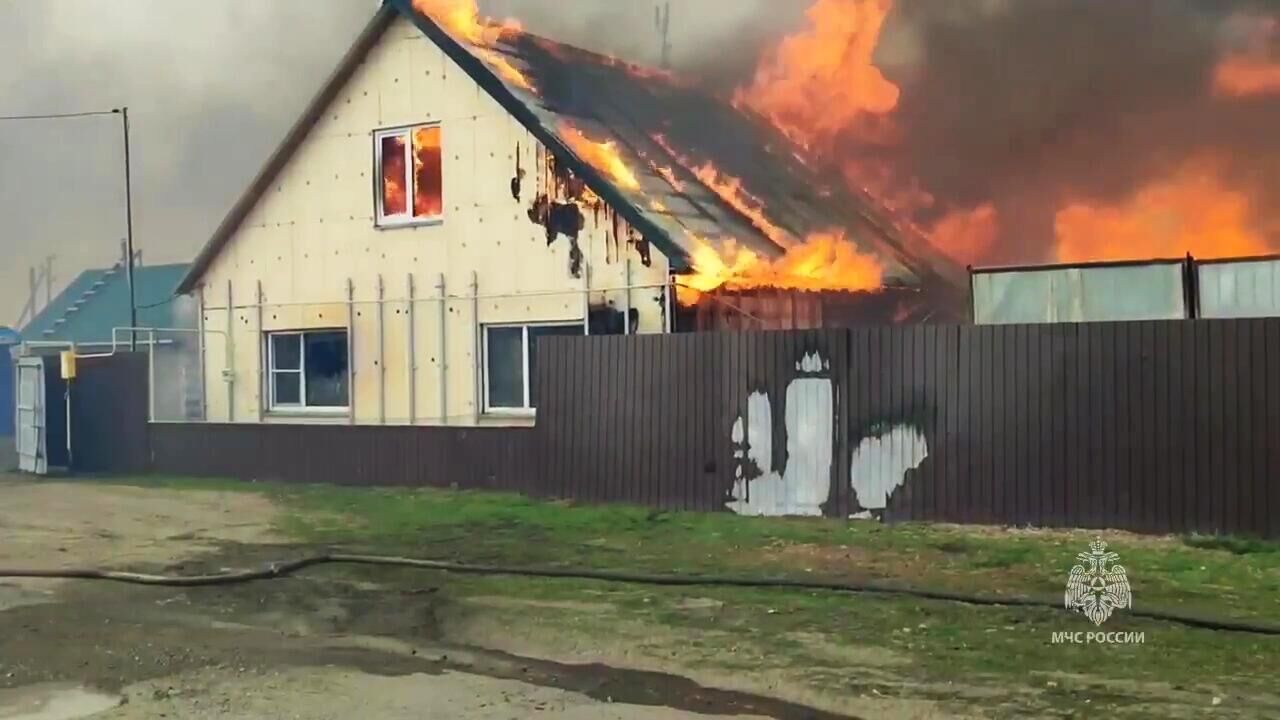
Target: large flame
pixel 824 261
pixel 603 156
pixel 462 18
pixel 1192 211
pixel 966 236
pixel 1242 76
pixel 822 89
pixel 822 82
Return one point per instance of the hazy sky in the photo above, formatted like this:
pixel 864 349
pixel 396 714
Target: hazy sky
pixel 212 85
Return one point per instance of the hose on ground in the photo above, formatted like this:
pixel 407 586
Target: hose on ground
pixel 283 569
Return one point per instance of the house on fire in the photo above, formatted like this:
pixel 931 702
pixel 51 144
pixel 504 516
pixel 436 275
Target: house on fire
pixel 452 195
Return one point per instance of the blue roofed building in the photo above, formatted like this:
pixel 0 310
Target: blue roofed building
pixel 97 302
pixel 8 338
pixel 95 305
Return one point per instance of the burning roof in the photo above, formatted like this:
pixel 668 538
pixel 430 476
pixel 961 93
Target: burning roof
pixel 720 190
pixel 732 197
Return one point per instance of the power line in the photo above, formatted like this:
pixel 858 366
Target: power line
pixel 60 116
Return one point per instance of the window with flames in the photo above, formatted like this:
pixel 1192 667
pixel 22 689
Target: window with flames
pixel 410 171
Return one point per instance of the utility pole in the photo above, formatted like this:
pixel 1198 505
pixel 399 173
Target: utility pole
pixel 30 313
pixel 662 22
pixel 128 210
pixel 48 280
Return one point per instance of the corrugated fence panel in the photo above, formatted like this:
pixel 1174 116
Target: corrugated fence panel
pixel 1149 426
pixel 109 411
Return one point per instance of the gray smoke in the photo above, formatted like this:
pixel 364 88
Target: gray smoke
pixel 1017 102
pixel 211 87
pixel 1025 103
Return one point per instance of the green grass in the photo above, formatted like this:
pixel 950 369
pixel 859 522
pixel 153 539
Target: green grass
pixel 941 646
pixel 1224 577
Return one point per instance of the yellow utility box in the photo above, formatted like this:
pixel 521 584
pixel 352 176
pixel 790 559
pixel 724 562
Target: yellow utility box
pixel 68 365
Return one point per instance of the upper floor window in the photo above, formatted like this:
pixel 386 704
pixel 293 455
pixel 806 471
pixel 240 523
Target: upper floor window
pixel 408 163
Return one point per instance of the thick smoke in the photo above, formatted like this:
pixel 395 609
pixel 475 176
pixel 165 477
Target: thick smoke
pixel 1024 104
pixel 717 40
pixel 1032 103
pixel 1019 106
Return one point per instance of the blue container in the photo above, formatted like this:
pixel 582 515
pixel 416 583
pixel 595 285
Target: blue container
pixel 8 339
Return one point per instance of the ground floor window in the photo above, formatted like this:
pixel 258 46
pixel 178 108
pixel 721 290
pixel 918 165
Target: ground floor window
pixel 511 364
pixel 308 370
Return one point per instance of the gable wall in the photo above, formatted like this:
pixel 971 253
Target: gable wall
pixel 314 230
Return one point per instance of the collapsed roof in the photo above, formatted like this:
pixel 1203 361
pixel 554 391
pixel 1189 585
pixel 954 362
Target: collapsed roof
pixel 680 145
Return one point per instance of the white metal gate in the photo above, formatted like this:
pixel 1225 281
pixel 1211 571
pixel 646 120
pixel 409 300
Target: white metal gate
pixel 31 420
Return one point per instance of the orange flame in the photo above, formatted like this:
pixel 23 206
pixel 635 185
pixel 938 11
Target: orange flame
pixel 462 18
pixel 824 261
pixel 603 156
pixel 1190 212
pixel 823 81
pixel 966 235
pixel 1242 76
pixel 730 190
pixel 670 176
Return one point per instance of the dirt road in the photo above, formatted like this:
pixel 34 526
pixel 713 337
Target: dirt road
pixel 315 647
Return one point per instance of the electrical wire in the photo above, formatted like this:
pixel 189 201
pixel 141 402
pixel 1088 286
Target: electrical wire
pixel 60 116
pixel 284 569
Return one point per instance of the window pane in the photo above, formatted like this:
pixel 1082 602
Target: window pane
pixel 286 352
pixel 542 332
pixel 428 188
pixel 505 363
pixel 327 370
pixel 391 160
pixel 286 388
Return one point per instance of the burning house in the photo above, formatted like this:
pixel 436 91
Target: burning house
pixel 521 188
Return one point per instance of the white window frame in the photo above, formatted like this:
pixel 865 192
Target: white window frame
pixel 381 219
pixel 525 411
pixel 301 406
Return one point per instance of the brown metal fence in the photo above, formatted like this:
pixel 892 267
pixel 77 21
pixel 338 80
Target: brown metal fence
pixel 1153 427
pixel 109 404
pixel 460 458
pixel 1149 426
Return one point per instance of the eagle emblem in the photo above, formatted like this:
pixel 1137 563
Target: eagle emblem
pixel 1097 586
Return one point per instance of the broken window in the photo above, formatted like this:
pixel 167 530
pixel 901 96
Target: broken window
pixel 308 370
pixel 511 364
pixel 410 168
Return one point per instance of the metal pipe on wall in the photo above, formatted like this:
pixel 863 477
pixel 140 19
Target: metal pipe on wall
pixel 382 353
pixel 411 362
pixel 444 352
pixel 670 310
pixel 477 354
pixel 496 296
pixel 151 370
pixel 228 373
pixel 70 382
pixel 626 302
pixel 586 298
pixel 200 351
pixel 351 352
pixel 262 359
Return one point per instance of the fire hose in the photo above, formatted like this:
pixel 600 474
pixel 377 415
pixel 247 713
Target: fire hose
pixel 287 568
